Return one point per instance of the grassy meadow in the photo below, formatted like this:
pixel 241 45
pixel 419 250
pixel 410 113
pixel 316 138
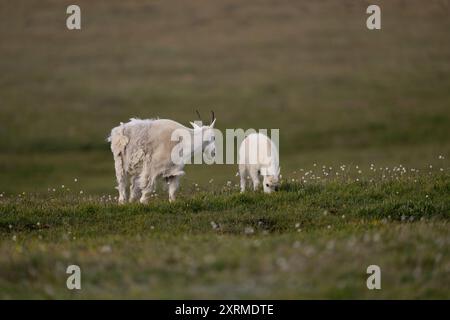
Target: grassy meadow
pixel 364 119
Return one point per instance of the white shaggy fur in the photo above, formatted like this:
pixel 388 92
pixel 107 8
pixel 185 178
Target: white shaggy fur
pixel 142 153
pixel 258 155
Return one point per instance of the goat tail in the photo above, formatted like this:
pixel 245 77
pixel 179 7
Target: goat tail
pixel 118 141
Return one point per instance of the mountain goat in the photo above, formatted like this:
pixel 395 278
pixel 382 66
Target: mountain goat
pixel 258 155
pixel 143 151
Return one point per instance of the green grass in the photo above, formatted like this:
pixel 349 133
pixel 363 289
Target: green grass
pixel 335 90
pixel 340 95
pixel 310 240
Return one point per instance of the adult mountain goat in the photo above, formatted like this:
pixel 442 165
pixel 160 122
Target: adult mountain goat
pixel 144 151
pixel 258 155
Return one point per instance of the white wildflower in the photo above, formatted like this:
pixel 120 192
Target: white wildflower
pixel 249 230
pixel 106 249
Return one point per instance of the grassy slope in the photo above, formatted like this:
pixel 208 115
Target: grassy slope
pixel 338 92
pixel 311 240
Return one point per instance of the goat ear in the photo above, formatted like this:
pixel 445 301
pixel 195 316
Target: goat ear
pixel 194 125
pixel 213 123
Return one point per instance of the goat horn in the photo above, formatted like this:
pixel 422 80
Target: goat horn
pixel 198 114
